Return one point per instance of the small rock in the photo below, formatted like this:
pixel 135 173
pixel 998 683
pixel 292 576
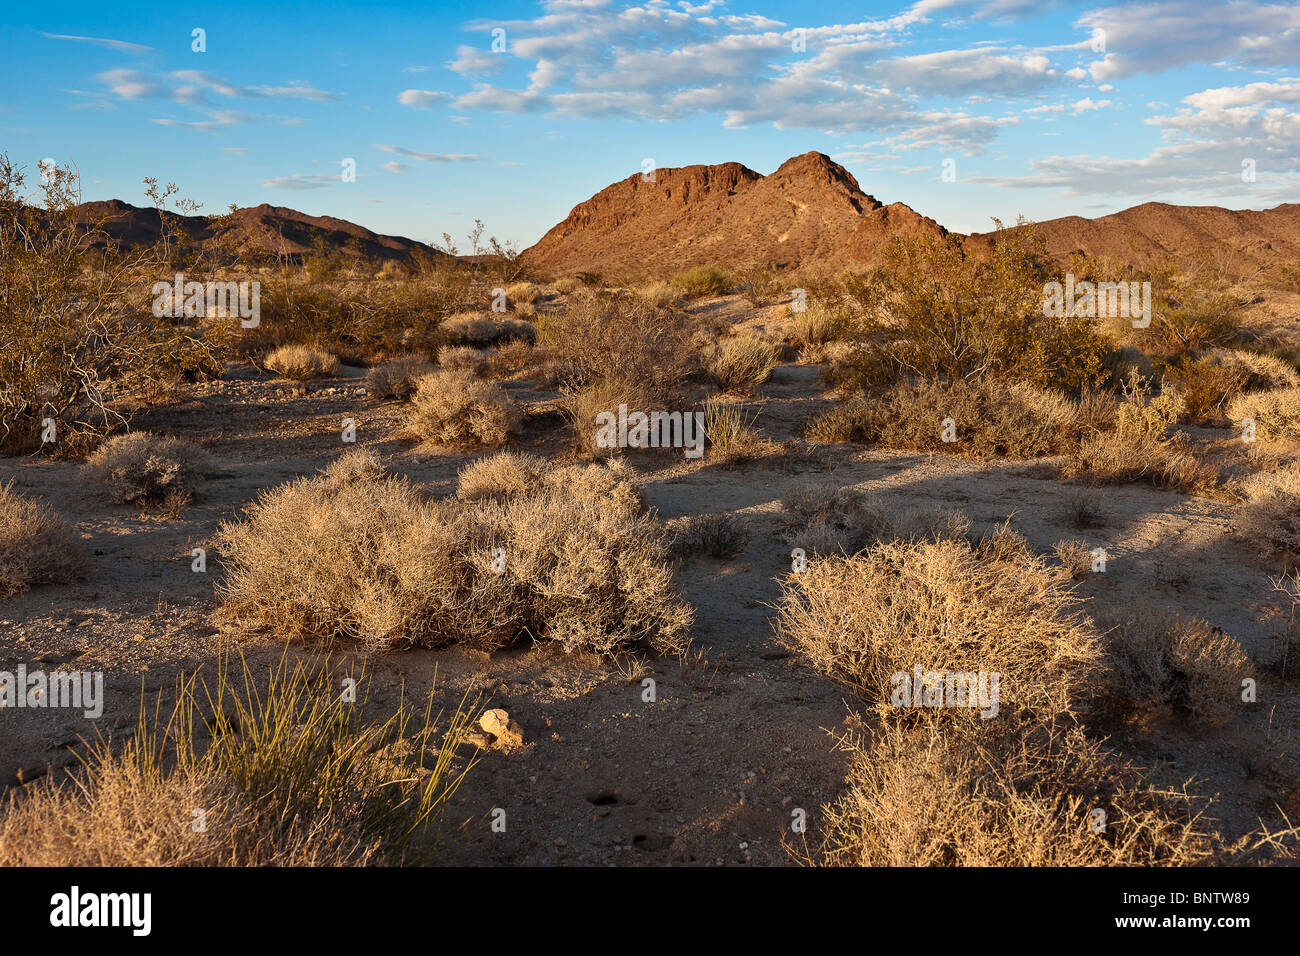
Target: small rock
pixel 495 722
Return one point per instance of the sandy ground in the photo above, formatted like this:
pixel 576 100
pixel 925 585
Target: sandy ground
pixel 735 741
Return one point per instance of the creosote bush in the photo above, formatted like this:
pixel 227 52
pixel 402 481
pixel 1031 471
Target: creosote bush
pixel 302 363
pixel 703 280
pixel 142 468
pixel 396 378
pixel 570 555
pixel 453 407
pixel 292 775
pixel 36 545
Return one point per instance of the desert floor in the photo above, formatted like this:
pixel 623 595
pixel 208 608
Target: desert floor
pixel 739 737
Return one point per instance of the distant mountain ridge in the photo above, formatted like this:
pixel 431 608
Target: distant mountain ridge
pixel 811 210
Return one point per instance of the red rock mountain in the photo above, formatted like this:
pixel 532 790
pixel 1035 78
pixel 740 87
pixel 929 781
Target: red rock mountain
pixel 258 230
pixel 809 210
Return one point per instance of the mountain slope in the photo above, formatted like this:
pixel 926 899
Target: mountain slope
pixel 809 210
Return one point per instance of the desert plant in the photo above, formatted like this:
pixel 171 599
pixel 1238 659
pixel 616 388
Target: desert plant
pixel 931 312
pixel 816 326
pixel 523 292
pixel 582 408
pixel 76 330
pixel 302 363
pixel 703 280
pixel 729 432
pixel 945 607
pixel 743 363
pixel 455 408
pixel 1075 556
pixel 988 419
pixel 396 378
pixel 1165 664
pixel 36 545
pixel 481 330
pixel 577 559
pixel 935 795
pixel 660 294
pixel 501 475
pixel 292 775
pixel 1270 514
pixel 463 358
pixel 719 535
pixel 1276 414
pixel 565 285
pixel 144 468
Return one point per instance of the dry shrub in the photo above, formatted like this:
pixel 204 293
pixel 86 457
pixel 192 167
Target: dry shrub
pixel 566 285
pixel 36 545
pixel 302 363
pixel 943 606
pixel 143 468
pixel 720 535
pixel 991 420
pixel 1276 414
pixel 292 776
pixel 501 475
pixel 455 408
pixel 1115 458
pixel 1257 371
pixel 743 363
pixel 619 338
pixel 1076 557
pixel 463 358
pixel 396 378
pixel 1166 665
pixel 824 518
pixel 523 292
pixel 481 330
pixel 1270 514
pixel 703 280
pixel 373 560
pixel 962 795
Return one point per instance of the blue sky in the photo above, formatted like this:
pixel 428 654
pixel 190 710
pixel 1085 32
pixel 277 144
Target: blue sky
pixel 1035 107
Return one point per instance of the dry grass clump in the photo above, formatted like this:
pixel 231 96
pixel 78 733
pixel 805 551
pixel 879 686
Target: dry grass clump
pixel 1276 414
pixel 36 545
pixel 396 378
pixel 291 776
pixel 990 419
pixel 962 795
pixel 824 518
pixel 661 294
pixel 816 326
pixel 523 292
pixel 730 435
pixel 577 559
pixel 566 284
pixel 302 363
pixel 743 363
pixel 143 468
pixel 703 280
pixel 1165 665
pixel 943 606
pixel 455 408
pixel 481 330
pixel 464 358
pixel 1270 514
pixel 720 535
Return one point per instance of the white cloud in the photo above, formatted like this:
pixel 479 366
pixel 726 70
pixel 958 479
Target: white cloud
pixel 428 157
pixel 121 46
pixel 422 99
